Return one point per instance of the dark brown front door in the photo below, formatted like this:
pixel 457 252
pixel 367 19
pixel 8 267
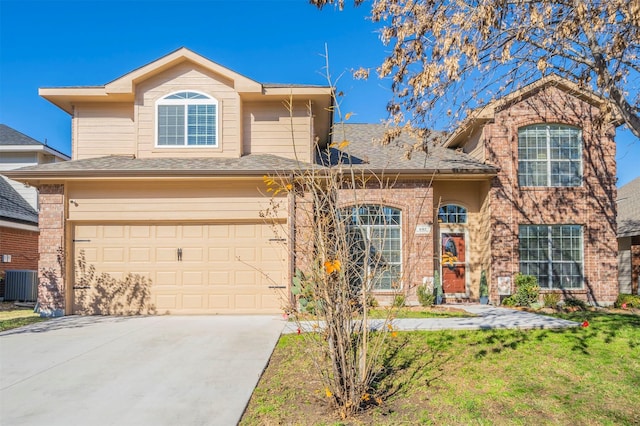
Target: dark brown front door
pixel 453 262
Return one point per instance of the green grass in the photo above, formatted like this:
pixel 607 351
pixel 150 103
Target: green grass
pixel 536 377
pixel 17 318
pixel 420 313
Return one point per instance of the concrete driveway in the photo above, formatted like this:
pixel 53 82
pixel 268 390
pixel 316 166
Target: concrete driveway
pixel 165 370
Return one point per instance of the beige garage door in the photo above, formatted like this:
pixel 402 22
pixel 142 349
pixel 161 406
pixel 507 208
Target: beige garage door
pixel 214 268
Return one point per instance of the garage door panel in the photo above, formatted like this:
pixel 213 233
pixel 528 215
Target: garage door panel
pixel 217 254
pixel 218 278
pixel 192 254
pixel 166 301
pixel 209 279
pixel 219 301
pixel 166 278
pixel 245 254
pixel 139 254
pixel 138 231
pixel 245 301
pixel 166 254
pixel 113 254
pixel 193 301
pixel 192 278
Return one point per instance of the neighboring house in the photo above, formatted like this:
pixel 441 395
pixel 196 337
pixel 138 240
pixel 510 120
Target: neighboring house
pixel 165 190
pixel 19 202
pixel 629 237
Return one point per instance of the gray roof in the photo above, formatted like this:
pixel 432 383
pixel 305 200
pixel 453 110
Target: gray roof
pixel 629 209
pixel 9 136
pixel 120 165
pixel 13 207
pixel 365 151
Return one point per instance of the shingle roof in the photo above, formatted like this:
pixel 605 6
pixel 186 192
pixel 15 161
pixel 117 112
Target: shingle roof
pixel 9 136
pixel 118 165
pixel 13 206
pixel 365 151
pixel 629 209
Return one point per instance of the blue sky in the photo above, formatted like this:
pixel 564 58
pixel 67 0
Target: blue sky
pixel 55 43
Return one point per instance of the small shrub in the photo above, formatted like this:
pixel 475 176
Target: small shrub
pixel 484 287
pixel 437 285
pixel 527 290
pixel 551 300
pixel 372 302
pixel 630 300
pixel 399 301
pixel 509 301
pixel 425 297
pixel 572 302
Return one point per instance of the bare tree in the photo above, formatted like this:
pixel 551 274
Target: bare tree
pixel 448 56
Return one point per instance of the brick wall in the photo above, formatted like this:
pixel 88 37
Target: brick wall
pixel 591 205
pixel 414 198
pixel 51 290
pixel 22 245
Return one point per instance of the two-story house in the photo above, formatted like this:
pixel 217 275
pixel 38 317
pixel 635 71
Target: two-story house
pixel 19 202
pixel 166 188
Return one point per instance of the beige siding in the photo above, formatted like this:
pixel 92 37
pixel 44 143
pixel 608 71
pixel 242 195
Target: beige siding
pixel 269 128
pixel 103 129
pixel 474 197
pixel 474 146
pixel 170 200
pixel 188 76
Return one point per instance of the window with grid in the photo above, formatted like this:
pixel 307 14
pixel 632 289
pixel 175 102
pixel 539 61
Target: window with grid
pixel 452 213
pixel 374 236
pixel 553 254
pixel 187 119
pixel 549 155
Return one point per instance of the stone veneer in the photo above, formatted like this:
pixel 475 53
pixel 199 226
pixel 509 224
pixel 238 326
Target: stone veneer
pixel 51 289
pixel 591 205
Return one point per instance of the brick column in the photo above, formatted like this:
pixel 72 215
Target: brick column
pixel 51 290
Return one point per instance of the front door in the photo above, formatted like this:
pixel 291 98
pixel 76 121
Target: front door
pixel 453 263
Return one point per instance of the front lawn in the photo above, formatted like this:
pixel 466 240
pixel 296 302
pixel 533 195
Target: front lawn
pixel 587 375
pixel 13 317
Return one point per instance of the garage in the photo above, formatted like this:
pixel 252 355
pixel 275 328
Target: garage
pixel 210 268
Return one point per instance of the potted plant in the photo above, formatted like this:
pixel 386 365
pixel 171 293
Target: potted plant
pixel 437 287
pixel 484 289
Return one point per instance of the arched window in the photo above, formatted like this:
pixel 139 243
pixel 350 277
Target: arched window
pixel 549 155
pixel 452 213
pixel 187 119
pixel 374 236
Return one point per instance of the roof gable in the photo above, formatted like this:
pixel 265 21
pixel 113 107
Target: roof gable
pixel 126 83
pixel 487 112
pixel 123 88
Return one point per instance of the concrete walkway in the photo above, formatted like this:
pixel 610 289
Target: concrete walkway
pixel 488 318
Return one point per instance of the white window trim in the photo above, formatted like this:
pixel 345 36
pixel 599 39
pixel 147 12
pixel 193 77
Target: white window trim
pixel 549 285
pixel 209 101
pixel 548 160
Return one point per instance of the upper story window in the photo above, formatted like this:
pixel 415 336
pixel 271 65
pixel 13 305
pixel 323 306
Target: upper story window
pixel 187 119
pixel 549 155
pixel 452 213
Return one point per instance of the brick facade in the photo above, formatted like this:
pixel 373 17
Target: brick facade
pixel 22 245
pixel 591 205
pixel 415 200
pixel 51 290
